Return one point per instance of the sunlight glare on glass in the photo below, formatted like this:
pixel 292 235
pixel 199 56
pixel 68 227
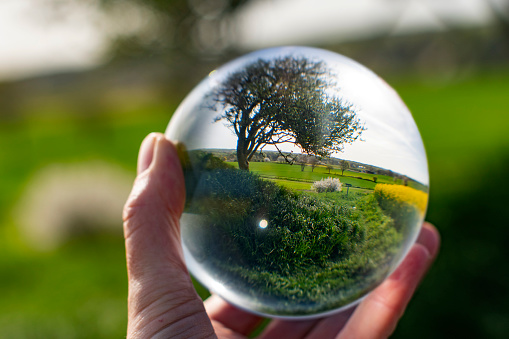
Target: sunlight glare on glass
pixel 263 224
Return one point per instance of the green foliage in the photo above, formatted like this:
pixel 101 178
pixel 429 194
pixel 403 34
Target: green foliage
pixel 195 163
pixel 204 161
pixel 313 245
pixel 344 165
pixel 304 230
pixel 402 203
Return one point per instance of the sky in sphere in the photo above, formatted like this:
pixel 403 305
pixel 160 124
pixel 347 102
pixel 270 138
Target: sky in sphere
pixel 391 139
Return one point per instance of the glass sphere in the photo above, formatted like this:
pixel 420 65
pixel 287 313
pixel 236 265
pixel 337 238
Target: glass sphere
pixel 306 181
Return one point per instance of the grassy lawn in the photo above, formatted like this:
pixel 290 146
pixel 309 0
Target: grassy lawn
pixel 293 184
pixel 319 251
pixel 463 125
pixel 77 290
pixel 292 176
pixel 287 172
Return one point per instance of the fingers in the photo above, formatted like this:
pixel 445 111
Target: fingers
pixel 329 327
pixel 278 329
pixel 229 316
pixel 378 314
pixel 226 316
pixel 429 238
pixel 162 300
pixel 146 152
pixel 322 328
pixel 153 209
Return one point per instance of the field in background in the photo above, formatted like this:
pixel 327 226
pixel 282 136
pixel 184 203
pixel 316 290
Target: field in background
pixel 78 290
pixel 292 176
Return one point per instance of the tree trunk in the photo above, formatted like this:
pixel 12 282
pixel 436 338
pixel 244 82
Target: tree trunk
pixel 242 157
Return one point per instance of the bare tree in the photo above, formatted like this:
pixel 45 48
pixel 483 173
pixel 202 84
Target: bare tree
pixel 283 100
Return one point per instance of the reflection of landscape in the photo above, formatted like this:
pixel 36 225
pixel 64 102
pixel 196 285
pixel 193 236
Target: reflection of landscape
pixel 294 233
pixel 268 233
pixel 307 169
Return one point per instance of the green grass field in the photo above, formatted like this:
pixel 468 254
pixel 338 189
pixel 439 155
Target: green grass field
pixel 79 289
pixel 320 251
pixel 292 177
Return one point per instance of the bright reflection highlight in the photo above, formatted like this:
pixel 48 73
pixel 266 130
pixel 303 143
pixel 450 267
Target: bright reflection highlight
pixel 263 224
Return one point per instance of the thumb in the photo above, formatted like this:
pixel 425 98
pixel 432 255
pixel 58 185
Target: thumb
pixel 162 300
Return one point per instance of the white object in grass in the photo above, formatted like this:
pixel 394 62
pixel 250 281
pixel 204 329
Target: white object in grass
pixel 328 185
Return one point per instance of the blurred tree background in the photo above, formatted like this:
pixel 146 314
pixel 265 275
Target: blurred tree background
pixel 69 138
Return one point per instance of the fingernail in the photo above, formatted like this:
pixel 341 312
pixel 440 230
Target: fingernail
pixel 146 152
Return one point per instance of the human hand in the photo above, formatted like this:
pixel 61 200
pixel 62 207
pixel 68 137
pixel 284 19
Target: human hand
pixel 163 303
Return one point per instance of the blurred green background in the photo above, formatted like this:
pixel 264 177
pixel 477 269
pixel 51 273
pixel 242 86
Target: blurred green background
pixel 69 140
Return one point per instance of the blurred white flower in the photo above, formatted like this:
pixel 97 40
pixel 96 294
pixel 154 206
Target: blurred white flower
pixel 327 185
pixel 65 200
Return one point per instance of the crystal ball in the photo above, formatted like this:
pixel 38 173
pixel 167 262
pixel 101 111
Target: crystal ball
pixel 306 181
